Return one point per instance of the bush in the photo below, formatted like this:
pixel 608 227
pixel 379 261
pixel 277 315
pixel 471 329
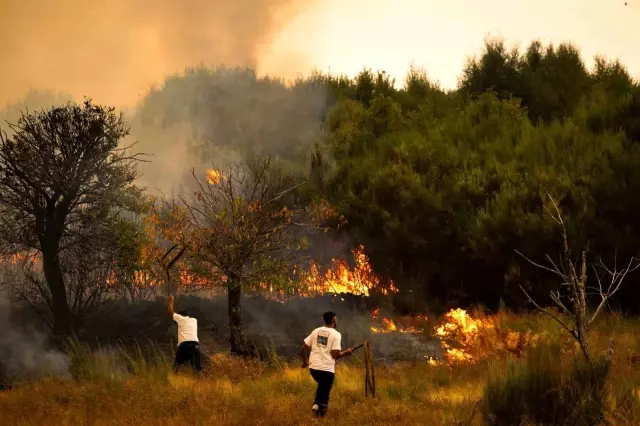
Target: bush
pixel 545 391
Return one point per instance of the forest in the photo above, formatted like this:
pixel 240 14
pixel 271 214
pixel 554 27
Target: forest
pixel 221 182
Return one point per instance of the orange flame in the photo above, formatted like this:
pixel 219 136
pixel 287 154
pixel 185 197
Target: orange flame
pixel 340 278
pixel 459 326
pixel 214 176
pixel 406 324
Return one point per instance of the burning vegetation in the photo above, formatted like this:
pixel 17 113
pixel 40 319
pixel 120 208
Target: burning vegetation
pixel 463 339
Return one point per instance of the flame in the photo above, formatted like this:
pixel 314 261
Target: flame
pixel 214 176
pixel 406 324
pixel 31 258
pixel 458 326
pixel 340 278
pixel 388 326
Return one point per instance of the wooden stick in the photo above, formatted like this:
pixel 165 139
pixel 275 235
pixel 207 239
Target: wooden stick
pixel 358 347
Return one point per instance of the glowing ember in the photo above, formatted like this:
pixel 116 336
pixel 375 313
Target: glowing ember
pixel 16 258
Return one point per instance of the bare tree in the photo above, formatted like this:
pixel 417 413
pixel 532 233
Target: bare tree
pixel 573 299
pixel 243 225
pixel 62 176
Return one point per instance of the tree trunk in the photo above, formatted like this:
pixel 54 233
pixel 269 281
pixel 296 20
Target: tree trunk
pixel 236 333
pixel 55 282
pixel 584 345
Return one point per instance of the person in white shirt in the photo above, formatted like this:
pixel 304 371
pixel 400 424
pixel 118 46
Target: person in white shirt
pixel 324 344
pixel 188 343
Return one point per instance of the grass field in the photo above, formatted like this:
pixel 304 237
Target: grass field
pixel 238 392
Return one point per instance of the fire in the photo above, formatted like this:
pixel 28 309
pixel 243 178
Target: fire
pixel 340 278
pixel 457 320
pixel 31 258
pixel 214 176
pixel 387 326
pixel 406 324
pixel 458 326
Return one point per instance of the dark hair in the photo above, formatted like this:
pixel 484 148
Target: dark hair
pixel 183 313
pixel 328 317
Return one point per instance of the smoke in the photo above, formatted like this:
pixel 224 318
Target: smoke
pixel 114 50
pixel 133 55
pixel 25 353
pixel 208 116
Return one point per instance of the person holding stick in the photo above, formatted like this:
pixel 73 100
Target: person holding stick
pixel 320 351
pixel 188 343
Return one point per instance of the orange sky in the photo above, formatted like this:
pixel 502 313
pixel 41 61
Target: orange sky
pixel 113 50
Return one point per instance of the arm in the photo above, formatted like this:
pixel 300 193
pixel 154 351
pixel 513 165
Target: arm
pixel 170 306
pixel 304 354
pixel 337 353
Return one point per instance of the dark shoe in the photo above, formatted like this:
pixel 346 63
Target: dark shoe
pixel 322 410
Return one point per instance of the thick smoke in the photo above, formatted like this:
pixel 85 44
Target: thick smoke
pixel 220 115
pixel 133 55
pixel 25 353
pixel 114 50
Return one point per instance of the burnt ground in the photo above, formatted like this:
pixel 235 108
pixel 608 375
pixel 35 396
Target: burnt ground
pixel 271 325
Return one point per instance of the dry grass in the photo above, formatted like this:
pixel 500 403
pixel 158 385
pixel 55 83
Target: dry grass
pixel 235 392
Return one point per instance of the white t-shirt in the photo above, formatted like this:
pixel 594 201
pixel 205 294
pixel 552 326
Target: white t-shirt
pixel 322 341
pixel 187 328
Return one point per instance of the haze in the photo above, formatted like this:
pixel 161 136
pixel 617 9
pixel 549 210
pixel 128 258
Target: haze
pixel 114 50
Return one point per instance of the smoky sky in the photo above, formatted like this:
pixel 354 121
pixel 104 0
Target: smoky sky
pixel 113 50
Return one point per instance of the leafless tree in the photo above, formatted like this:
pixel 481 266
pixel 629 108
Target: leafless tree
pixel 243 225
pixel 62 177
pixel 572 299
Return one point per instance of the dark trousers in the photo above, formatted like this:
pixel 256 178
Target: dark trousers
pixel 188 352
pixel 324 379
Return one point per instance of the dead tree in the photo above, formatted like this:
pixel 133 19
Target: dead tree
pixel 573 275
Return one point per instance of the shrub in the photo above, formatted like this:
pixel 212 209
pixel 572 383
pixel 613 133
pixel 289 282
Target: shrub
pixel 545 391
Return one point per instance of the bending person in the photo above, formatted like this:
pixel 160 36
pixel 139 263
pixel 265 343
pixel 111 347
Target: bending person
pixel 188 343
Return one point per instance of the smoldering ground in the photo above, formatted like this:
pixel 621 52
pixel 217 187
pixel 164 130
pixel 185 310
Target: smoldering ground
pixel 272 326
pixel 25 352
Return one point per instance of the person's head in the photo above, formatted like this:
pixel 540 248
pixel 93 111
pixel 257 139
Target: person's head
pixel 184 313
pixel 329 319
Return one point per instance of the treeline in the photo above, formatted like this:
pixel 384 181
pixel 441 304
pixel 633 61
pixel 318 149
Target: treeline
pixel 443 187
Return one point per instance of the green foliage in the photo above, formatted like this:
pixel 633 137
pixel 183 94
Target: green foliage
pixel 544 391
pixel 430 181
pixel 439 186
